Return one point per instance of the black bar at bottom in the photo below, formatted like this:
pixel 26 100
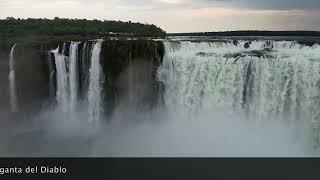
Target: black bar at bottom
pixel 162 168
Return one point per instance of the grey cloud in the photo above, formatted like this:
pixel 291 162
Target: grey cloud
pixel 160 4
pixel 253 4
pixel 272 4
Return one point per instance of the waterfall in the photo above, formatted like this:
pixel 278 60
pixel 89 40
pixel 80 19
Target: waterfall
pixel 277 80
pixel 74 75
pixel 12 80
pixel 52 74
pixel 71 80
pixel 62 93
pixel 84 69
pixel 67 81
pixel 95 84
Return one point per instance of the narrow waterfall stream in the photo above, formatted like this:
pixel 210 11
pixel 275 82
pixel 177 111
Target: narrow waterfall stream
pixel 95 85
pixel 12 81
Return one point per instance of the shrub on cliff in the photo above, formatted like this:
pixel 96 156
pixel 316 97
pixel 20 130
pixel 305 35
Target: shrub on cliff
pixel 15 28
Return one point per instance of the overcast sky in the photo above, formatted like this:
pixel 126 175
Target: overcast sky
pixel 179 15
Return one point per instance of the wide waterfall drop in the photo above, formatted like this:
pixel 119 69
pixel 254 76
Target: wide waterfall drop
pixel 95 85
pixel 12 81
pixel 74 75
pixel 189 99
pixel 62 93
pixel 269 82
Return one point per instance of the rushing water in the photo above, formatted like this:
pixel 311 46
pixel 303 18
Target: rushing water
pixel 68 80
pixel 62 92
pixel 95 85
pixel 74 75
pixel 220 98
pixel 12 81
pixel 269 81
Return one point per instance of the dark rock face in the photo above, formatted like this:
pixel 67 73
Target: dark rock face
pixel 130 69
pixel 247 45
pixel 160 50
pixel 84 55
pixel 64 46
pixel 268 46
pixel 204 54
pixel 252 53
pixel 4 72
pixel 31 76
pixel 235 42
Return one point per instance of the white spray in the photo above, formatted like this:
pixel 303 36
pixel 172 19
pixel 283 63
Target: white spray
pixel 95 84
pixel 62 93
pixel 12 80
pixel 74 77
pixel 266 86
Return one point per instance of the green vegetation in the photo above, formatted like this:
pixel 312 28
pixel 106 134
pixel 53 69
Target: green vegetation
pixel 57 28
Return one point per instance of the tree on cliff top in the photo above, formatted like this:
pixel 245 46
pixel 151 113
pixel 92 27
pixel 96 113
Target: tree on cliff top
pixel 11 27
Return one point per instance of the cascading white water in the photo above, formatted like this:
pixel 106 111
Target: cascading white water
pixel 67 92
pixel 62 93
pixel 12 81
pixel 278 84
pixel 74 75
pixel 95 84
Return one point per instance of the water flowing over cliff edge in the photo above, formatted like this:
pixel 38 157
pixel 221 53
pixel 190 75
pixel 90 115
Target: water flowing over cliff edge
pixel 165 98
